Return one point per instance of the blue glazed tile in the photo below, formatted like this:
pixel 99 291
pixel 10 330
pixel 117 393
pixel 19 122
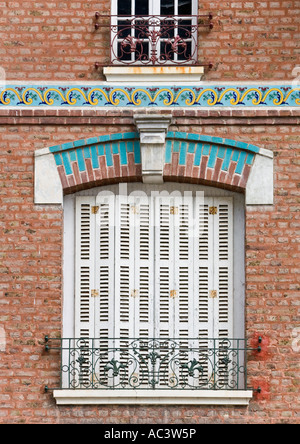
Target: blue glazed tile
pixel 242 145
pixel 91 140
pixel 168 155
pixel 115 148
pixel 180 135
pixel 123 153
pixel 253 148
pixel 217 140
pixel 55 148
pixel 198 153
pixel 72 155
pixel 58 159
pixel 182 155
pixel 130 135
pixel 191 147
pixel 221 152
pixel 95 161
pixel 170 134
pixel 104 138
pixel 230 142
pixel 206 150
pixel 241 162
pixel 193 136
pixel 66 162
pixel 67 146
pixel 249 159
pixel 100 149
pixel 78 143
pixel 227 159
pixel 87 153
pixel 235 155
pixel 137 152
pixel 116 136
pixel 108 155
pixel 204 138
pixel 212 156
pixel 130 146
pixel 80 159
pixel 176 146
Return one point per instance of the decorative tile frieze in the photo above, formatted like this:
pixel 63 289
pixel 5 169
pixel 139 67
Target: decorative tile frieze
pixel 106 95
pixel 199 157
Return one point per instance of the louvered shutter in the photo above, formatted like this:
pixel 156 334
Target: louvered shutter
pixel 124 267
pixel 84 285
pixel 213 282
pixel 223 310
pixel 84 267
pixel 184 303
pixel 203 283
pixel 143 267
pixel 223 275
pixel 105 280
pixel 164 268
pixel 134 280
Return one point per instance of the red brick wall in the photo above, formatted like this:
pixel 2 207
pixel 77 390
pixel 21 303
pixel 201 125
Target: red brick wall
pixel 57 40
pixel 31 274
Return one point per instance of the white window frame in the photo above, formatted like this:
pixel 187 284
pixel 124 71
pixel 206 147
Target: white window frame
pixel 230 397
pixel 154 10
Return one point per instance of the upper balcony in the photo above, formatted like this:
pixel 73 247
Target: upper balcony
pixel 153 40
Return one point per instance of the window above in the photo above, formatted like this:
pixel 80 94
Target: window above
pixel 151 32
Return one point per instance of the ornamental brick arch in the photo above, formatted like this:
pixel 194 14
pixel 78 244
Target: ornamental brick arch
pixel 193 158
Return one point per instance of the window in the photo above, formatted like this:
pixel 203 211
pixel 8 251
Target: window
pixel 156 266
pixel 153 296
pixel 154 32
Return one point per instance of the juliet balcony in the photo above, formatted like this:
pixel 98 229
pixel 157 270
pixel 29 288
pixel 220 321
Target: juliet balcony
pixel 186 369
pixel 153 40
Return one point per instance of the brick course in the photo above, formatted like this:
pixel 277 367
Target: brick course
pixel 57 40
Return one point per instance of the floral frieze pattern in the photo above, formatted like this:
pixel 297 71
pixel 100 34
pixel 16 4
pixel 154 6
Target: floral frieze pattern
pixel 107 95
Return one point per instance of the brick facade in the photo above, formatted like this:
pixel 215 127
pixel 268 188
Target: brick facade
pixel 57 41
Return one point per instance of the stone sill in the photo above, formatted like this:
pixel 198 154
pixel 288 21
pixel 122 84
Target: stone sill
pixel 152 397
pixel 153 73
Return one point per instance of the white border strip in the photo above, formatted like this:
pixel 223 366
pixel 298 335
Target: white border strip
pixel 153 397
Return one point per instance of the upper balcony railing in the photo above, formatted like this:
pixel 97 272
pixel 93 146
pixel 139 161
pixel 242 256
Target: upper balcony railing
pixel 154 39
pixel 182 364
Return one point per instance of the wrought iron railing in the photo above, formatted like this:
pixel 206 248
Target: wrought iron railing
pixel 210 364
pixel 154 39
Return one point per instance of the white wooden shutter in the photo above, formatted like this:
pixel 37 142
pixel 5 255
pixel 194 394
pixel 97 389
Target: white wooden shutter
pixel 213 270
pixel 124 267
pixel 203 282
pixel 84 285
pixel 223 310
pixel 165 291
pixel 184 302
pixel 104 277
pixel 143 267
pixel 134 278
pixel 223 274
pixel 84 267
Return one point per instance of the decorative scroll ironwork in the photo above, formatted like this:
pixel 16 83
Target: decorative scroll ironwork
pixel 154 39
pixel 216 364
